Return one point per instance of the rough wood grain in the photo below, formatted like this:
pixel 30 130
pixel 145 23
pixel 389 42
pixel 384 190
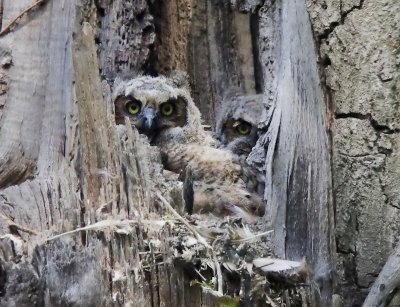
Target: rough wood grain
pixel 215 45
pixel 171 46
pixel 85 174
pixel 20 127
pixel 125 37
pixel 359 47
pixel 298 184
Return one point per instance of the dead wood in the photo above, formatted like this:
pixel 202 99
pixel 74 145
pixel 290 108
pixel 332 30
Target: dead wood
pixel 12 23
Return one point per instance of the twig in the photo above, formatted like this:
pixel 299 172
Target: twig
pixel 7 28
pixel 101 207
pixel 201 275
pixel 219 272
pixel 270 301
pixel 96 226
pixel 253 237
pixel 147 253
pixel 218 266
pixel 153 265
pixel 180 218
pixel 268 264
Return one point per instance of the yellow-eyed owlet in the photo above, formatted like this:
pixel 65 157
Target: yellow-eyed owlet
pixel 237 130
pixel 163 109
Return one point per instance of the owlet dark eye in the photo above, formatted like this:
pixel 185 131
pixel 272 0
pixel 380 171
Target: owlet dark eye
pixel 243 128
pixel 133 107
pixel 167 109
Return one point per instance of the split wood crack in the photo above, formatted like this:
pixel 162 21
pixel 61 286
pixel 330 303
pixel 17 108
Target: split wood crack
pixel 13 22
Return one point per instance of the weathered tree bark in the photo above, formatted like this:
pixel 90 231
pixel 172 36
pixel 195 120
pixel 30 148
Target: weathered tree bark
pixel 298 179
pixel 359 58
pixel 64 166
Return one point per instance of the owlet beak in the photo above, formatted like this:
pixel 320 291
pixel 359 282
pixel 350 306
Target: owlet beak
pixel 149 125
pixel 149 114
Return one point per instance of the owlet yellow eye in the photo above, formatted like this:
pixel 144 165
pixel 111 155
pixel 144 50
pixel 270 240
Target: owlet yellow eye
pixel 167 109
pixel 243 128
pixel 133 107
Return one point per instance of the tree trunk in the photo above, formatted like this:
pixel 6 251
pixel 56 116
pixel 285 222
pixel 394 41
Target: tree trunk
pixel 329 72
pixel 359 52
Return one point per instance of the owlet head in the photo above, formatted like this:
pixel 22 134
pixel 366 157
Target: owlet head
pixel 234 130
pixel 237 123
pixel 153 105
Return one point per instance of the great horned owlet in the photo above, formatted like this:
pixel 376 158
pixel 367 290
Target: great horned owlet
pixel 163 109
pixel 237 130
pixel 237 122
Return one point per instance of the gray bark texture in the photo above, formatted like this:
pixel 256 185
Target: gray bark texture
pixel 81 219
pixel 359 60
